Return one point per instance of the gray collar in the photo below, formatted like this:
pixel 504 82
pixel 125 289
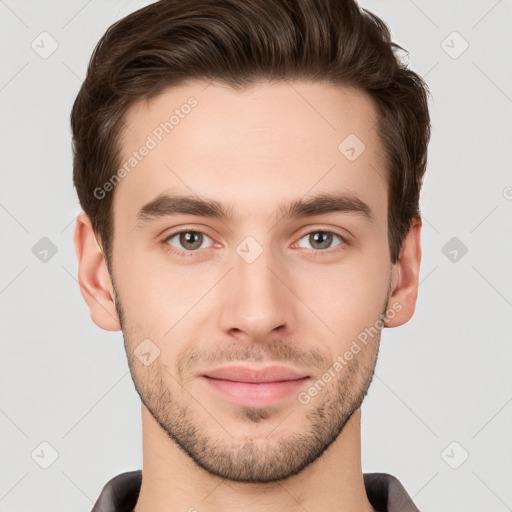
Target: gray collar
pixel 384 491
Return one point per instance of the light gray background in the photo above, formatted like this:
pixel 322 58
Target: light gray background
pixel 444 377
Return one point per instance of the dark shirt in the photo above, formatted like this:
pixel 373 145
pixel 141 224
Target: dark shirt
pixel 384 491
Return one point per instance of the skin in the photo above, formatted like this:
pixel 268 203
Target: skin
pixel 300 303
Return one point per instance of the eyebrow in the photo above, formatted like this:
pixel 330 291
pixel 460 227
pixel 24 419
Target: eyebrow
pixel 168 205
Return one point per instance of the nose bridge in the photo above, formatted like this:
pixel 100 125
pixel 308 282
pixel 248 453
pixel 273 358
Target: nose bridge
pixel 256 301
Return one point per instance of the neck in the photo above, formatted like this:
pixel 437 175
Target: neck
pixel 172 482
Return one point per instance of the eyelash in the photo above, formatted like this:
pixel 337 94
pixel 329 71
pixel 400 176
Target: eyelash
pixel 314 252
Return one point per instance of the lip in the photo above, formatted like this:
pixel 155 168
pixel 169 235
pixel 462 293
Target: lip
pixel 254 388
pixel 252 375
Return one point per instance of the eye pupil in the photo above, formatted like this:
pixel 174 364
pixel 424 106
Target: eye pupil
pixel 193 240
pixel 191 237
pixel 321 237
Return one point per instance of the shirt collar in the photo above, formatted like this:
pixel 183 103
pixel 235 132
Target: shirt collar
pixel 384 491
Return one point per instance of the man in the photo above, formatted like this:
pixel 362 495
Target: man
pixel 250 175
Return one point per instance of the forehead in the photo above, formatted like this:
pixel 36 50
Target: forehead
pixel 256 148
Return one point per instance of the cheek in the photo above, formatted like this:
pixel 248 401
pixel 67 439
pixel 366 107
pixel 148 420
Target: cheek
pixel 345 298
pixel 144 278
pixel 157 295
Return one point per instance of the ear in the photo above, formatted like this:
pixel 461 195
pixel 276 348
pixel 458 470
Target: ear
pixel 404 280
pixel 93 277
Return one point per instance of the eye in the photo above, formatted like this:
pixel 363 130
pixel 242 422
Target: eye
pixel 321 240
pixel 187 240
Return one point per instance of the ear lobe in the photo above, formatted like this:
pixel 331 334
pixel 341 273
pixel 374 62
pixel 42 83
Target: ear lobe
pixel 93 277
pixel 405 277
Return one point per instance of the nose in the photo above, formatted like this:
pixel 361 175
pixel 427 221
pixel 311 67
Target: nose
pixel 256 299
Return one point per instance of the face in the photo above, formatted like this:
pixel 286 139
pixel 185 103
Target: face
pixel 256 287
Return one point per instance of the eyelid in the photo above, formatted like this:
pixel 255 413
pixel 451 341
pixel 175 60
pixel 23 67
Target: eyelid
pixel 182 252
pixel 196 229
pixel 345 240
pixel 343 234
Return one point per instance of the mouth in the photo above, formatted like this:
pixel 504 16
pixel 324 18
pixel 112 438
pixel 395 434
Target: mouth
pixel 254 388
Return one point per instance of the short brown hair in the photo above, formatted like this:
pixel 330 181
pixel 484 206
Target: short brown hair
pixel 241 43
